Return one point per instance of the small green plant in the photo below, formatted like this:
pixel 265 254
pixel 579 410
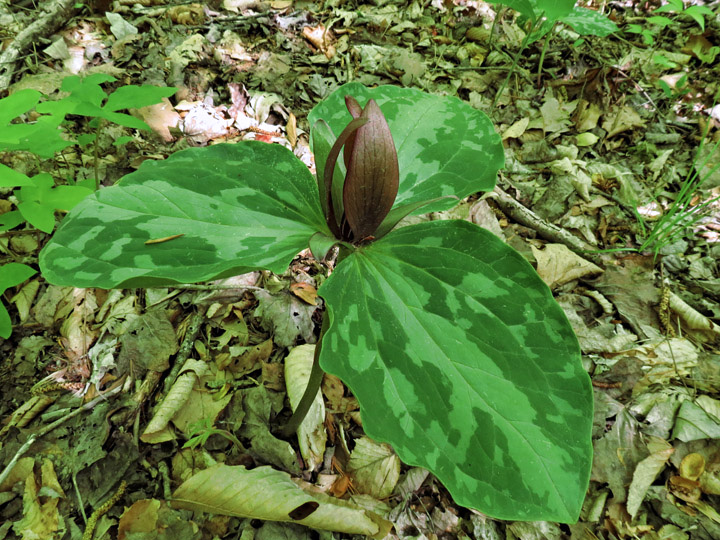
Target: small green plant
pixel 201 431
pixel 683 212
pixel 454 347
pixel 39 197
pixel 659 22
pixel 541 16
pixel 11 274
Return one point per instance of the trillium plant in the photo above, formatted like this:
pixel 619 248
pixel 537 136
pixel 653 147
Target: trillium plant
pixel 455 349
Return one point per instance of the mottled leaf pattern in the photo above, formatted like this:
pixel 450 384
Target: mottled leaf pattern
pixel 588 22
pixel 462 360
pixel 444 146
pixel 238 207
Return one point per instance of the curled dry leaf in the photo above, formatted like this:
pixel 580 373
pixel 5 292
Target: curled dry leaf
pixel 321 39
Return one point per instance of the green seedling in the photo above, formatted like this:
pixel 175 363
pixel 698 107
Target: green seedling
pixel 660 22
pixel 38 197
pixel 11 274
pixel 541 16
pixel 87 98
pixel 683 213
pixel 201 431
pixel 454 347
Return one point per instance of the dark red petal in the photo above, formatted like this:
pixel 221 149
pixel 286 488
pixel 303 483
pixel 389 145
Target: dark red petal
pixel 349 130
pixel 372 179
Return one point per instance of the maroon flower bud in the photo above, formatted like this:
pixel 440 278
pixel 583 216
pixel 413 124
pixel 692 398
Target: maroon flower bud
pixel 372 177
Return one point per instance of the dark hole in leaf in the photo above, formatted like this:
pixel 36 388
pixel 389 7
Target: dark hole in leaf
pixel 304 510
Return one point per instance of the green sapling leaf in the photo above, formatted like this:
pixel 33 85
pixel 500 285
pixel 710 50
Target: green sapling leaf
pixel 41 137
pixel 11 178
pixel 18 103
pixel 11 274
pixel 554 10
pixel 525 7
pixel 10 220
pixel 37 203
pixel 134 97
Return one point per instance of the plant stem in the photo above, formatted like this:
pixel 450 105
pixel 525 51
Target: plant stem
pixel 542 55
pixel 512 67
pixel 311 390
pixel 96 157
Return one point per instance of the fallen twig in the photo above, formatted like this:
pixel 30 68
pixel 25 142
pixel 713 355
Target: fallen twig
pixel 56 14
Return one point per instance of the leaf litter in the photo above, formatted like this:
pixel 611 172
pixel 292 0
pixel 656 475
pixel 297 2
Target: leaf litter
pixel 601 150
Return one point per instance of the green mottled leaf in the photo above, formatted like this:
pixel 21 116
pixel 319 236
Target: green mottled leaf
pixel 238 208
pixel 588 22
pixel 463 362
pixel 444 146
pixel 320 244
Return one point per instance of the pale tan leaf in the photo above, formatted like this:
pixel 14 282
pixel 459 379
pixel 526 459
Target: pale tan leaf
pixel 557 265
pixel 374 467
pixel 517 129
pixel 268 494
pixel 646 472
pixel 24 298
pixel 311 432
pixel 156 431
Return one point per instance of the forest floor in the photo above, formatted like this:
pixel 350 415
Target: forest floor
pixel 610 142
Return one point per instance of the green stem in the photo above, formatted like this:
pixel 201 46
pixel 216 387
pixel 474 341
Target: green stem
pixel 542 55
pixel 525 42
pixel 311 390
pixel 512 70
pixel 316 373
pixel 96 156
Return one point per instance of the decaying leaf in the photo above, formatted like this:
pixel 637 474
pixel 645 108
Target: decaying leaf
pixel 264 493
pixel 286 316
pixel 311 432
pixel 374 467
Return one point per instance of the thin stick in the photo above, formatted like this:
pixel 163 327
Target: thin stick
pixel 56 14
pixel 47 429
